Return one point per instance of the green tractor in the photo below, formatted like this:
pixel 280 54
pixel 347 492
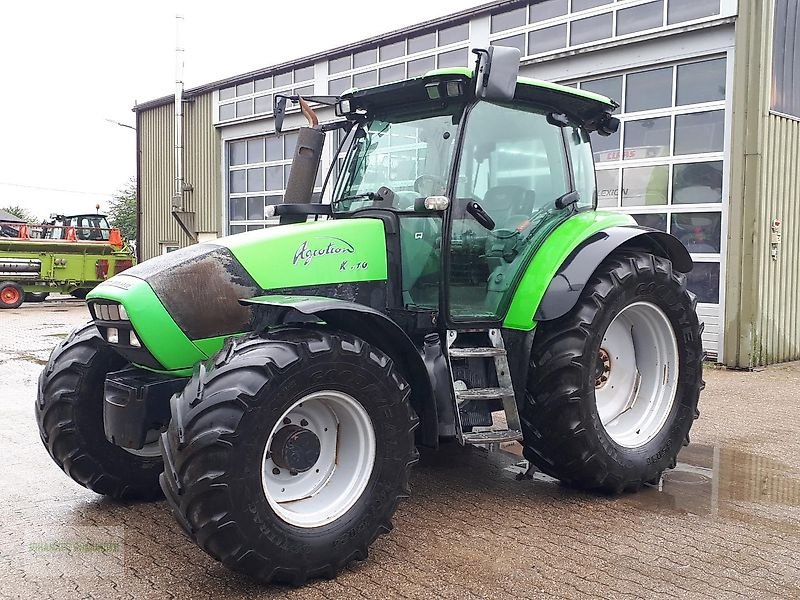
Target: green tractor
pixel 459 287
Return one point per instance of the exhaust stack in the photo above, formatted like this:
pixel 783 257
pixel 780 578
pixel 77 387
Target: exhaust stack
pixel 305 164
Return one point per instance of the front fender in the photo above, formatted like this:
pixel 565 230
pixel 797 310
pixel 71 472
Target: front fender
pixel 373 327
pixel 549 258
pixel 566 287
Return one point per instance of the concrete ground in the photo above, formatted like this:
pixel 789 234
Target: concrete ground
pixel 724 524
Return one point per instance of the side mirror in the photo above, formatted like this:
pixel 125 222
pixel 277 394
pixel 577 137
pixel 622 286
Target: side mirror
pixel 279 111
pixel 497 71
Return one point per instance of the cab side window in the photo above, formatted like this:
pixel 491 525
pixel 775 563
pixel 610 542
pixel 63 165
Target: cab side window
pixel 582 166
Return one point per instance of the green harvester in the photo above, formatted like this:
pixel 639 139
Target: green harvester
pixel 68 255
pixel 459 287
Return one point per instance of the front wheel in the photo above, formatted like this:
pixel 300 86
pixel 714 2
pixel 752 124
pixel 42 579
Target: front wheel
pixel 69 411
pixel 614 384
pixel 287 454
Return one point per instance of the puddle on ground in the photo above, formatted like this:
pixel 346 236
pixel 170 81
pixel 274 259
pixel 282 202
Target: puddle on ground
pixel 712 481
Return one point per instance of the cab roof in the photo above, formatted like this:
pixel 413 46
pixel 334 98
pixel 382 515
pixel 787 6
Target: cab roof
pixel 581 105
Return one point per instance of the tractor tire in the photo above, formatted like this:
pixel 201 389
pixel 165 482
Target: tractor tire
pixel 11 294
pixel 613 385
pixel 287 453
pixel 80 293
pixel 36 296
pixel 69 411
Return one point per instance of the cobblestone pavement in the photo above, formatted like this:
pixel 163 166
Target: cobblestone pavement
pixel 725 524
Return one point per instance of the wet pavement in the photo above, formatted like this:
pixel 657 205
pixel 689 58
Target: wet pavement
pixel 724 524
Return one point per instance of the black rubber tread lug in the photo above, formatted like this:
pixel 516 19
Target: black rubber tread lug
pixel 69 415
pixel 560 436
pixel 204 430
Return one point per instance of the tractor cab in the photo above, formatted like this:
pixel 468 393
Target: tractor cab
pixel 473 171
pixel 86 228
pixel 474 184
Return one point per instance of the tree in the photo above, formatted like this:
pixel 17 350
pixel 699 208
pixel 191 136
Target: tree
pixel 20 212
pixel 122 210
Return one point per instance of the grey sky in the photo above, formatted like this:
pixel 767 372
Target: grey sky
pixel 66 67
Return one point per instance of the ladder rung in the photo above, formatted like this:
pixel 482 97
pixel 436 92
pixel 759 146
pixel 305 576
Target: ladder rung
pixel 484 394
pixel 476 352
pixel 496 436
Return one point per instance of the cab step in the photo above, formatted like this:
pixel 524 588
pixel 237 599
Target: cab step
pixel 476 352
pixel 496 436
pixel 498 393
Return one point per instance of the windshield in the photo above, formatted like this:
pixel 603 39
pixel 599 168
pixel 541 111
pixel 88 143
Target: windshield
pixel 394 162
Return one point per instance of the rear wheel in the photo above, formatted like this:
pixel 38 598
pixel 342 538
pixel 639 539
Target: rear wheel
pixel 36 296
pixel 287 454
pixel 69 411
pixel 614 384
pixel 11 294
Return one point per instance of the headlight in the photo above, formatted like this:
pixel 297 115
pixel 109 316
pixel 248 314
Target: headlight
pixel 123 314
pixel 112 335
pixel 113 312
pixel 134 341
pixel 102 309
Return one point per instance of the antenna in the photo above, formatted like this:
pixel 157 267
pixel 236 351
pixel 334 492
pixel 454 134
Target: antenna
pixel 177 198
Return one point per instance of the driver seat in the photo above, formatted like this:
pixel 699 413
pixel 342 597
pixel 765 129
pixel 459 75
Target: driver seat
pixel 508 205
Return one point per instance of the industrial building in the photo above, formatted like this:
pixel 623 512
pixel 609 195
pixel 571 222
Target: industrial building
pixel 709 94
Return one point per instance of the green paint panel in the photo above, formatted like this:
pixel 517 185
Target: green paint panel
pixel 317 253
pixel 154 327
pixel 549 258
pixel 464 71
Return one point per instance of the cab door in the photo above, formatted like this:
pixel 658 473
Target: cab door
pixel 514 166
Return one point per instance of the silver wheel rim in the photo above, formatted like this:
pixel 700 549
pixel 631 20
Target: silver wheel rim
pixel 338 478
pixel 636 378
pixel 151 447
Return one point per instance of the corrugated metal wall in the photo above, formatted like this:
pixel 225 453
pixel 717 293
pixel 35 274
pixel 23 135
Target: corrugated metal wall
pixel 777 326
pixel 763 282
pixel 157 172
pixel 201 163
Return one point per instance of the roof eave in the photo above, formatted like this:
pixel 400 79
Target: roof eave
pixel 377 39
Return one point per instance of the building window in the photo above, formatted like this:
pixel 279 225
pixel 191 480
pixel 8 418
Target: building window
pixel 665 165
pixel 453 35
pixel 679 11
pixel 509 19
pixel 648 90
pixel 547 9
pixel 591 29
pixel 579 5
pixel 701 82
pixel 549 38
pixel 258 170
pixel 640 18
pixel 590 21
pixel 786 59
pixel 256 97
pixel 421 43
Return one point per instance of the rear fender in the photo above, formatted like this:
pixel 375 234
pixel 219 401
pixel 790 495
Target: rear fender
pixel 368 324
pixel 566 287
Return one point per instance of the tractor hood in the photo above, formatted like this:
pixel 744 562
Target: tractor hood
pixel 194 293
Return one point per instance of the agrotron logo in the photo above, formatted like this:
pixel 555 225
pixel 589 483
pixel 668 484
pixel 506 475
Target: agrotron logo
pixel 321 246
